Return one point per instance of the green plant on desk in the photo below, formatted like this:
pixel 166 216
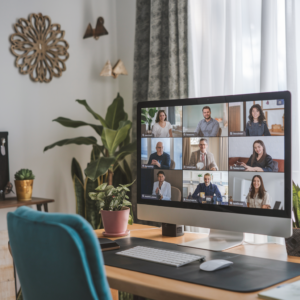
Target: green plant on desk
pixel 24 174
pixel 296 205
pixel 147 115
pixel 107 161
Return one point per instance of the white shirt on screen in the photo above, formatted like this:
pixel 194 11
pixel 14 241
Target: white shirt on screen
pixel 165 190
pixel 159 131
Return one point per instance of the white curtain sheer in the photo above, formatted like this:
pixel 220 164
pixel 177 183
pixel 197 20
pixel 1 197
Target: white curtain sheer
pixel 246 47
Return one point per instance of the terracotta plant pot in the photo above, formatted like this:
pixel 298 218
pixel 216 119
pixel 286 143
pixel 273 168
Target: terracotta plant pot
pixel 115 222
pixel 24 189
pixel 293 243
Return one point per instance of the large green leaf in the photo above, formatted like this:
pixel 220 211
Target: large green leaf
pixel 126 150
pixel 98 167
pixel 152 112
pixel 125 170
pixel 96 116
pixel 113 138
pixel 79 195
pixel 76 170
pixel 115 113
pixel 90 140
pixel 96 151
pixel 92 208
pixel 74 124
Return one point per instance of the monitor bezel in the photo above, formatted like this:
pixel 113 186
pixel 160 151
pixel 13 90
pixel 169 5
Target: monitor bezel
pixel 286 95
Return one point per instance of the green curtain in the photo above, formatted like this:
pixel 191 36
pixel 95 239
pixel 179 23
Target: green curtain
pixel 160 57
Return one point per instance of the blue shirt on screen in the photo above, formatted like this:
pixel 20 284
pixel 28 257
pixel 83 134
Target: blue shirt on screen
pixel 208 190
pixel 164 160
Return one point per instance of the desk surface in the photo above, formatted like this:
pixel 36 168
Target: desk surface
pixel 155 287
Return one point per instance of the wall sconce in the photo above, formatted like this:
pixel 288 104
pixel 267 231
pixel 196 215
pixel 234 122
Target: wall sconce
pixel 115 71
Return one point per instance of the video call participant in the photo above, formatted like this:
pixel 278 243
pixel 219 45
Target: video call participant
pixel 256 126
pixel 259 161
pixel 257 196
pixel 160 159
pixel 208 126
pixel 162 128
pixel 161 188
pixel 201 155
pixel 207 187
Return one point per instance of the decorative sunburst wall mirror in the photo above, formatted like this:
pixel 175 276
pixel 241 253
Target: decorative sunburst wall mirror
pixel 39 47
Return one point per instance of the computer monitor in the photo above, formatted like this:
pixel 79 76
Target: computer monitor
pixel 220 162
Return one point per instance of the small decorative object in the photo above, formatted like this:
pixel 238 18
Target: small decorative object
pixel 293 243
pixel 147 116
pixel 98 31
pixel 115 71
pixel 280 101
pixel 40 48
pixel 24 183
pixel 2 151
pixel 230 202
pixel 114 208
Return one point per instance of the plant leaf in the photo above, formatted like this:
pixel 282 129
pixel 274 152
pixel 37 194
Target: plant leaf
pixel 115 113
pixel 97 150
pixel 101 186
pixel 96 116
pixel 98 167
pixel 79 196
pixel 78 141
pixel 74 124
pixel 76 170
pixel 126 150
pixel 126 203
pixel 112 138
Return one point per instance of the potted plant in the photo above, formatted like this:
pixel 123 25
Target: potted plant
pixel 146 117
pixel 114 208
pixel 107 160
pixel 24 183
pixel 293 243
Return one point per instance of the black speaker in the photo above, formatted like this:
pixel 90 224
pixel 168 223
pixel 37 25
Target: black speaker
pixel 172 229
pixel 4 169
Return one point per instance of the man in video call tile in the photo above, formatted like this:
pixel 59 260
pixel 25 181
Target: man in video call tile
pixel 202 159
pixel 161 188
pixel 160 159
pixel 208 126
pixel 208 188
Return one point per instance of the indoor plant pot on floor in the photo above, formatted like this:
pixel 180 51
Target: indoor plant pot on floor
pixel 24 184
pixel 115 211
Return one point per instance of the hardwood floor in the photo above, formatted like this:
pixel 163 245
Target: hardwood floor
pixel 7 281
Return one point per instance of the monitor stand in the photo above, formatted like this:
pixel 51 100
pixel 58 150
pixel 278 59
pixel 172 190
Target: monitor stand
pixel 217 240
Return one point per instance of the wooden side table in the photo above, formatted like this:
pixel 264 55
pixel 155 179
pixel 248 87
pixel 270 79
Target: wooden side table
pixel 13 202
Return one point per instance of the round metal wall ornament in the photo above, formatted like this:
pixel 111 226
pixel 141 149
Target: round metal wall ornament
pixel 39 47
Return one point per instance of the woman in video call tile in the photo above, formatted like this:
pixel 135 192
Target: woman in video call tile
pixel 161 188
pixel 258 196
pixel 162 128
pixel 259 161
pixel 256 126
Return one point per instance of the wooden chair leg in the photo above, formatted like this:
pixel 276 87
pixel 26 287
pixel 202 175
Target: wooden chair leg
pixel 114 294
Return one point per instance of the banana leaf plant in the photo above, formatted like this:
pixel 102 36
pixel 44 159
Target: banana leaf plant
pixel 107 161
pixel 296 205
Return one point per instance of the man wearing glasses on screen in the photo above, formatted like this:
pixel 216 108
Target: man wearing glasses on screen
pixel 202 159
pixel 160 159
pixel 208 126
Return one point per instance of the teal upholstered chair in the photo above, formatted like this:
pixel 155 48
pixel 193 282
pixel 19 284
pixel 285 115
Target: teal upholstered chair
pixel 57 256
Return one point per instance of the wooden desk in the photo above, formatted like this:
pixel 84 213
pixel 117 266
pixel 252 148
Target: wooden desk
pixel 160 288
pixel 13 202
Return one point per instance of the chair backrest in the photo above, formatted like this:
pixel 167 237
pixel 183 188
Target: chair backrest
pixel 219 132
pixel 175 194
pixel 172 165
pixel 57 256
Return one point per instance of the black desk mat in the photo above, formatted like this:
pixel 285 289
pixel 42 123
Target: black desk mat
pixel 247 274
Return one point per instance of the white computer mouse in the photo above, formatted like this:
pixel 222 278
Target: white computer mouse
pixel 215 264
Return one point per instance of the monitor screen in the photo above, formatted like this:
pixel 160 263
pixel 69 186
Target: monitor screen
pixel 224 154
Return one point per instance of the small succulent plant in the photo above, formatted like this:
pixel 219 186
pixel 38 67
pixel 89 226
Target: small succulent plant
pixel 24 174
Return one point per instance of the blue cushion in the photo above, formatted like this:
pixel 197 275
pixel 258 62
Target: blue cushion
pixel 57 256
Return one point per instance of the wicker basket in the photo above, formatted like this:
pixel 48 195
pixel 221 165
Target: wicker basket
pixel 293 243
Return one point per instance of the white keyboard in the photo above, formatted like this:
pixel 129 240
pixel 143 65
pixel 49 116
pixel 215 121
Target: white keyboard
pixel 166 257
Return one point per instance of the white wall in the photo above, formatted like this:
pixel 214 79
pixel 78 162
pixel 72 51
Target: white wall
pixel 243 146
pixel 28 108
